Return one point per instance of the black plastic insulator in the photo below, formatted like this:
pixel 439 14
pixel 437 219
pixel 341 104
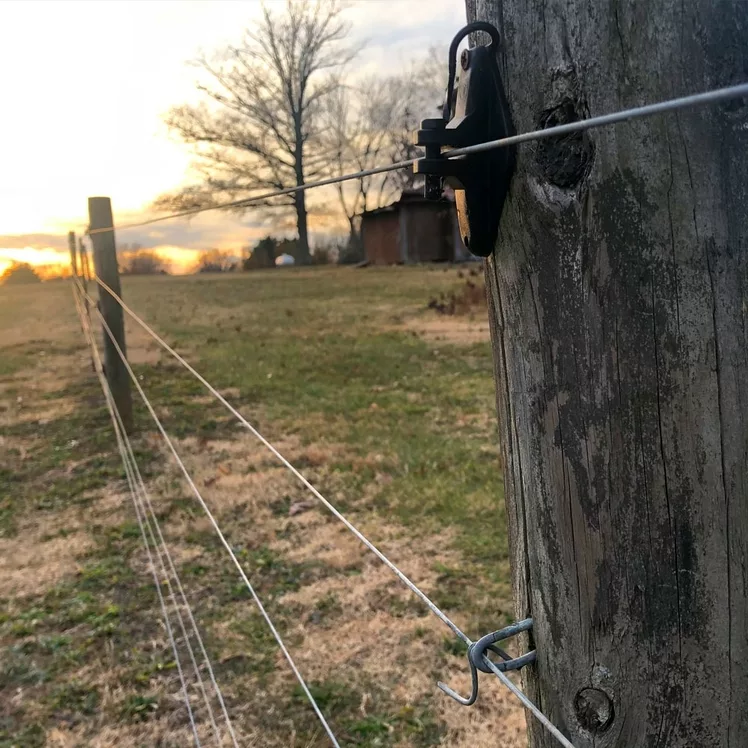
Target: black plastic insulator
pixel 475 111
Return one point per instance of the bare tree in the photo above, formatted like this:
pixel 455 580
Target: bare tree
pixel 141 262
pixel 19 273
pixel 216 261
pixel 360 122
pixel 419 93
pixel 261 130
pixel 372 123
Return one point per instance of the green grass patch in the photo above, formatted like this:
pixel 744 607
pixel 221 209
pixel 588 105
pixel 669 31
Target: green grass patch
pixel 323 355
pixel 323 359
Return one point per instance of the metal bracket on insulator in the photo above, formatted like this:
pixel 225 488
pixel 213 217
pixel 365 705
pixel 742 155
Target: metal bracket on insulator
pixel 476 112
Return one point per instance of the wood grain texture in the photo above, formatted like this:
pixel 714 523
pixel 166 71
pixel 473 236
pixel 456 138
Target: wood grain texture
pixel 618 302
pixel 106 267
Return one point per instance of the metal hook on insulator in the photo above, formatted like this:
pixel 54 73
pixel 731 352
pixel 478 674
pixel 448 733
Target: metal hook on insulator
pixel 477 657
pixel 492 31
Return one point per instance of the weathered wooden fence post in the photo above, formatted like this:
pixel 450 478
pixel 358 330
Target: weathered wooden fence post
pixel 101 228
pixel 80 275
pixel 618 298
pixel 73 255
pixel 85 272
pixel 85 269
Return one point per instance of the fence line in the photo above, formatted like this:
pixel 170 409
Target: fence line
pixel 144 509
pixel 524 699
pixel 337 514
pixel 146 500
pixel 161 547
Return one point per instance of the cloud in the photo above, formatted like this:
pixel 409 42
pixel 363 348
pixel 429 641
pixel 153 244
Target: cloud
pixel 34 241
pixel 395 38
pixel 211 230
pixel 134 158
pixel 225 230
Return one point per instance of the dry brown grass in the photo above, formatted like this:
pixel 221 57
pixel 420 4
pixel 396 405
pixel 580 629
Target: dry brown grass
pixel 31 565
pixel 449 330
pixel 345 617
pixel 379 630
pixel 34 561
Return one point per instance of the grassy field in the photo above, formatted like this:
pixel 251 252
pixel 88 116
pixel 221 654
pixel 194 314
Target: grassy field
pixel 387 407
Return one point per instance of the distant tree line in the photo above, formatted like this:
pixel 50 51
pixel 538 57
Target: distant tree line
pixel 19 273
pixel 135 260
pixel 142 262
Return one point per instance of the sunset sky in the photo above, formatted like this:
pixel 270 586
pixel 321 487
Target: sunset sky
pixel 85 86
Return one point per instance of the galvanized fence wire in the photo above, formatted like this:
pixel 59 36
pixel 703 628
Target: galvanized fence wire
pixel 116 423
pixel 402 576
pixel 146 507
pixel 164 552
pixel 336 513
pixel 624 115
pixel 188 478
pixel 135 479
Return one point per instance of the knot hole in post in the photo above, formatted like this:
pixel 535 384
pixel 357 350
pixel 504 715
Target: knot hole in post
pixel 594 709
pixel 564 160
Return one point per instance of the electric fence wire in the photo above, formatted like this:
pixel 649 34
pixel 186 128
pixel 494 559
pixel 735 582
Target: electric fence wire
pixel 217 528
pixel 146 506
pixel 335 512
pixel 169 631
pixel 146 502
pixel 624 115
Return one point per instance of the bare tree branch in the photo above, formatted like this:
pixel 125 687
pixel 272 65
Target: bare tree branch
pixel 373 123
pixel 261 125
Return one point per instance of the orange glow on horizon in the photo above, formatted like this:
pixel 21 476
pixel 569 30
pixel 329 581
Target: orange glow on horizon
pixel 178 260
pixel 54 261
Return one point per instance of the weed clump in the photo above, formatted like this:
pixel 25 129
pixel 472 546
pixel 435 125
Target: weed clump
pixel 468 297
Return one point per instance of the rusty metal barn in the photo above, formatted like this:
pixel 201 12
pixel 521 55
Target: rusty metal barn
pixel 411 230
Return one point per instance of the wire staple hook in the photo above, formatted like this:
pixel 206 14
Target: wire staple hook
pixel 477 658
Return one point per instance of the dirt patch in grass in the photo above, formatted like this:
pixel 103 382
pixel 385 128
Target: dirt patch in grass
pixel 141 347
pixel 136 736
pixel 36 393
pixel 46 547
pixel 495 719
pixel 30 565
pixel 451 330
pixel 327 541
pixel 391 433
pixel 27 412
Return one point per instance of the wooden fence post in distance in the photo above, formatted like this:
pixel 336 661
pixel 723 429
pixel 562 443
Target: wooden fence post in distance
pixel 105 266
pixel 85 270
pixel 73 255
pixel 618 296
